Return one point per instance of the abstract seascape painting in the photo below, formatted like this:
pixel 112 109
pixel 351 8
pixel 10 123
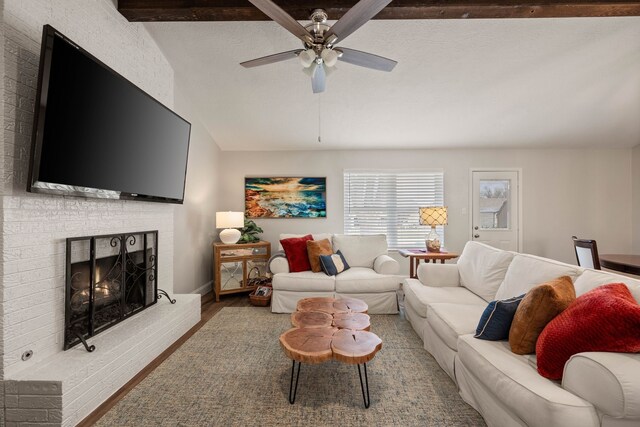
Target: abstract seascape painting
pixel 285 197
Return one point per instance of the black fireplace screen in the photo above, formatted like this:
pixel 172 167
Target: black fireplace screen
pixel 109 278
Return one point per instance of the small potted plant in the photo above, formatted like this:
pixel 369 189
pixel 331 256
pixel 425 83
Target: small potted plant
pixel 250 232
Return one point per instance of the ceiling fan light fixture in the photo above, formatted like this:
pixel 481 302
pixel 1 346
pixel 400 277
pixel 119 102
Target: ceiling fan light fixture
pixel 307 57
pixel 330 57
pixel 310 70
pixel 328 70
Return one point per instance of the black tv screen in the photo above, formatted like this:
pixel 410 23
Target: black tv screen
pixel 98 135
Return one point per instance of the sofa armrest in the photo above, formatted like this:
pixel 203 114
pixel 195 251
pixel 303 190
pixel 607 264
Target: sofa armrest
pixel 278 263
pixel 439 275
pixel 609 381
pixel 384 264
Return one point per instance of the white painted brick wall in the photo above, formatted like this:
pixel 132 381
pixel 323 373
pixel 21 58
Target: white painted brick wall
pixel 34 227
pixel 70 385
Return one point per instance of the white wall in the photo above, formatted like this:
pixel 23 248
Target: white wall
pixel 194 221
pixel 565 192
pixel 34 226
pixel 636 198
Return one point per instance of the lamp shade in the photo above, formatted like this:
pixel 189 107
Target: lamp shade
pixel 330 57
pixel 307 57
pixel 229 219
pixel 433 215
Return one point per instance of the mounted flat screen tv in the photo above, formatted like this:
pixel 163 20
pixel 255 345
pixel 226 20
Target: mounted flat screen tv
pixel 98 135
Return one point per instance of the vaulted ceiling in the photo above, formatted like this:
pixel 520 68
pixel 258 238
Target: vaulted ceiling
pixel 555 82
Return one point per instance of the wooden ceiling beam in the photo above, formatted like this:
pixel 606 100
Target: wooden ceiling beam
pixel 242 10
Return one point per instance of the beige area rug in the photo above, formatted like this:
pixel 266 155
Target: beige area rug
pixel 232 372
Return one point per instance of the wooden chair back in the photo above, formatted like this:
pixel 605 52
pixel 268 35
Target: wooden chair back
pixel 586 253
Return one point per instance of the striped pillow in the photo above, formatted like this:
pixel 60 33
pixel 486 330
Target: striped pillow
pixel 333 264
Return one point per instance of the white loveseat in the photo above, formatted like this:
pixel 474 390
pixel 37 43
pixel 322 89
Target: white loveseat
pixel 444 306
pixel 372 276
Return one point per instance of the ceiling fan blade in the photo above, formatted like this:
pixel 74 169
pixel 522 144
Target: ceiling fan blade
pixel 364 59
pixel 276 13
pixel 270 59
pixel 318 80
pixel 355 17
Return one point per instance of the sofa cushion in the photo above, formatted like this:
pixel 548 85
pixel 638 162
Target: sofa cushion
pixel 591 279
pixel 604 319
pixel 449 321
pixel 296 250
pixel 333 264
pixel 496 319
pixel 316 236
pixel 315 248
pixel 539 306
pixel 365 280
pixel 516 384
pixel 360 251
pixel 420 296
pixel 527 271
pixel 304 281
pixel 608 380
pixel 482 268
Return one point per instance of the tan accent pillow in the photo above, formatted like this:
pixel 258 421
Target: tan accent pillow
pixel 538 307
pixel 315 248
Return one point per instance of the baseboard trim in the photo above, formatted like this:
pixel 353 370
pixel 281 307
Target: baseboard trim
pixel 204 289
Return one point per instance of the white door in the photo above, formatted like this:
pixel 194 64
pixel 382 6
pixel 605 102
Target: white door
pixel 494 205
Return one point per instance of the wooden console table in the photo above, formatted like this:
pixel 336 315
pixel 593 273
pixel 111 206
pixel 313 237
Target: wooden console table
pixel 415 255
pixel 239 267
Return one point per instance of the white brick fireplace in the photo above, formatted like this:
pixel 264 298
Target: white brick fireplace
pixel 54 387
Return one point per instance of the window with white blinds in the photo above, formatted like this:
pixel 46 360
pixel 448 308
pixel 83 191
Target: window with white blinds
pixel 387 202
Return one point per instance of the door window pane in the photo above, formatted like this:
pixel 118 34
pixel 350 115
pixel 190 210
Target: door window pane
pixel 495 202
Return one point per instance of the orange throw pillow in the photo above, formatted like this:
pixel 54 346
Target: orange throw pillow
pixel 315 248
pixel 538 307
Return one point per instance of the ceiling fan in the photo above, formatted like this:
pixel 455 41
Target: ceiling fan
pixel 320 53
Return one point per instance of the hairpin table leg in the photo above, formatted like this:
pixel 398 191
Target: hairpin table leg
pixel 367 399
pixel 293 390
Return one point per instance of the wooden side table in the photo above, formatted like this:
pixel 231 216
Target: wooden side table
pixel 415 255
pixel 629 264
pixel 239 267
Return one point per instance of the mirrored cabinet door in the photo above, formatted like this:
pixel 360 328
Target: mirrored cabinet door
pixel 231 275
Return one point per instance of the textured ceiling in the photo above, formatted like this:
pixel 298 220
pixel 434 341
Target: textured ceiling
pixel 458 84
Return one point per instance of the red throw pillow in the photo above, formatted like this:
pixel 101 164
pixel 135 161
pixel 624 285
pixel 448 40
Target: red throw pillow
pixel 606 318
pixel 295 248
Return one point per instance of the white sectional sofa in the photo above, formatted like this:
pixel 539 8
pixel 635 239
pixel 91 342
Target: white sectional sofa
pixel 372 276
pixel 444 306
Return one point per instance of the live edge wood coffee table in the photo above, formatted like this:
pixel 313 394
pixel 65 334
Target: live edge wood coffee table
pixel 330 328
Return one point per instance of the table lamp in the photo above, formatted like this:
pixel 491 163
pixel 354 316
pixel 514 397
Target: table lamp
pixel 433 215
pixel 230 221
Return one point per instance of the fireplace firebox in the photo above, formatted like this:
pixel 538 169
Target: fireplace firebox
pixel 109 278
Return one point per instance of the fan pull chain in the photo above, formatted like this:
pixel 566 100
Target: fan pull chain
pixel 319 121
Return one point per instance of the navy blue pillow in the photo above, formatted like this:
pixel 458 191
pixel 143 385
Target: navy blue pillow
pixel 496 320
pixel 333 264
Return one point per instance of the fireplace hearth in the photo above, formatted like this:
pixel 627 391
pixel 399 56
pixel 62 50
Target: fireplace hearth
pixel 109 278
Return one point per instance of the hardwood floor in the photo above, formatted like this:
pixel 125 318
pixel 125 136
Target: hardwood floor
pixel 209 309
